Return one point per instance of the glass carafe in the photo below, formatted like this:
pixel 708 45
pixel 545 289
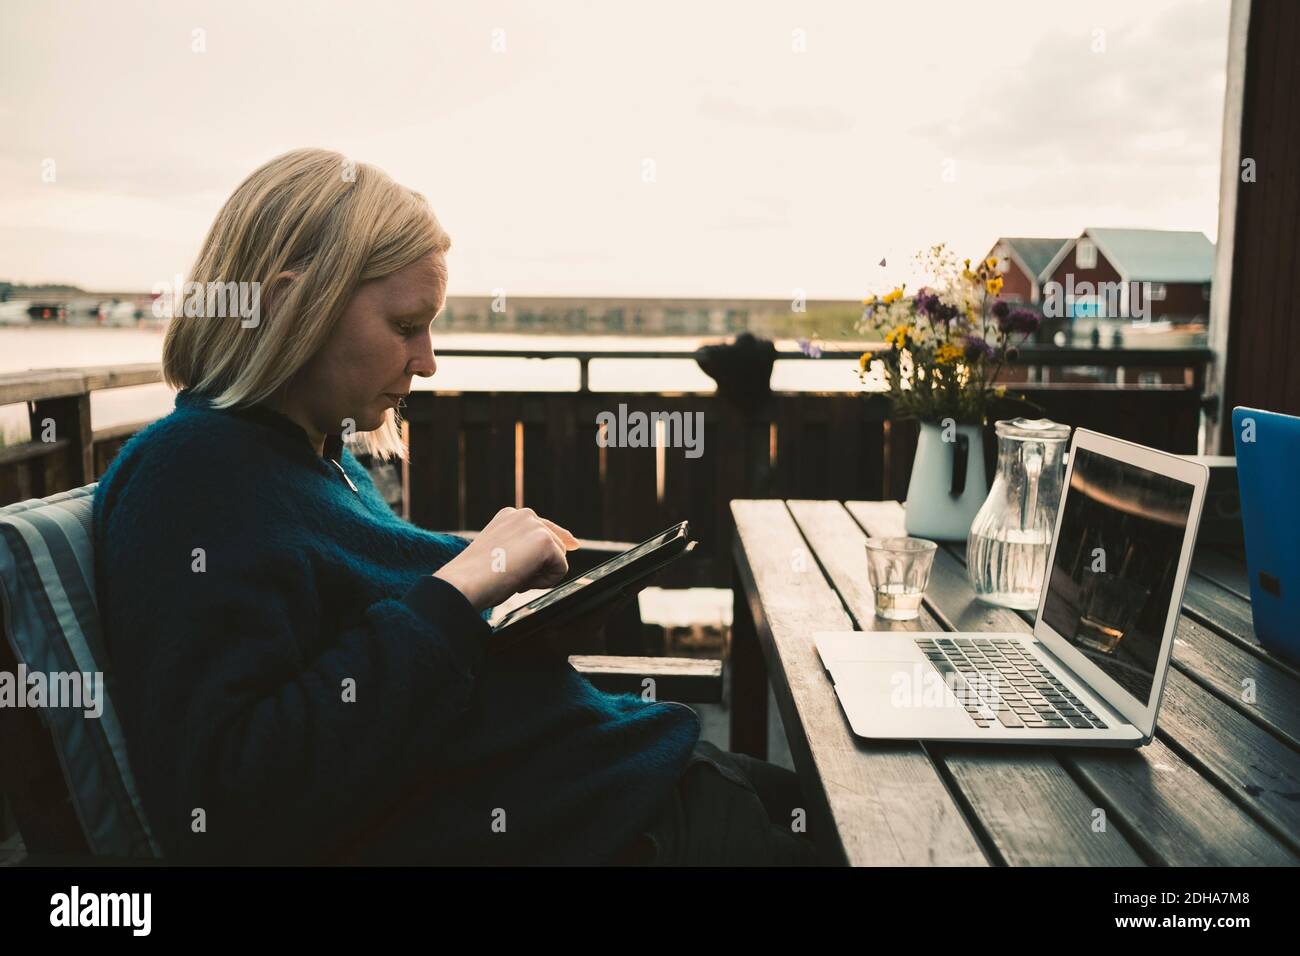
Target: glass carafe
pixel 1006 552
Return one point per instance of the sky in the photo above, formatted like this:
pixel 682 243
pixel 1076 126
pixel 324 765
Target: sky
pixel 696 148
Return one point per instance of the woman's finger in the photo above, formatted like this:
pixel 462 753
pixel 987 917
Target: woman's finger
pixel 567 540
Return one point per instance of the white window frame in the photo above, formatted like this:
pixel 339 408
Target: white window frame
pixel 1085 254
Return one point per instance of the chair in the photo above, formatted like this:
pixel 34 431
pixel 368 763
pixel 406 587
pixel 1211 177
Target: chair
pixel 67 776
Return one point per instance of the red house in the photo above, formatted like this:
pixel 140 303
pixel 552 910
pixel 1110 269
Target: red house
pixel 1021 261
pixel 1128 273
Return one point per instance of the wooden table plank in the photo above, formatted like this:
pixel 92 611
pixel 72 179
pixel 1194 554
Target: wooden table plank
pixel 1188 721
pixel 1221 611
pixel 1165 792
pixel 1227 572
pixel 1256 688
pixel 1035 811
pixel 887 803
pixel 1225 613
pixel 1260 771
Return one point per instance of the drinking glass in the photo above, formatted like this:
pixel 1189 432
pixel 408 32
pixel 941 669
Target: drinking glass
pixel 899 570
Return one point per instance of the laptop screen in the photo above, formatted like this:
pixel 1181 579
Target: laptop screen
pixel 1111 582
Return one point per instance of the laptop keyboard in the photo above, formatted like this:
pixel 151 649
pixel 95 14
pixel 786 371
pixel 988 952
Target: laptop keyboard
pixel 1001 681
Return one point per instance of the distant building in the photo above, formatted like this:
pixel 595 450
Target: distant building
pixel 1021 261
pixel 634 316
pixel 1094 274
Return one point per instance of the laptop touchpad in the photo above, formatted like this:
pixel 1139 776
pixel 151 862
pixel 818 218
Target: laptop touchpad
pixel 898 699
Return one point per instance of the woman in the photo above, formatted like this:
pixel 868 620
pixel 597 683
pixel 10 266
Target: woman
pixel 301 674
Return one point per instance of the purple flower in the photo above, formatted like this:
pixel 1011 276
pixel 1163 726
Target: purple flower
pixel 1019 320
pixel 1023 320
pixel 810 348
pixel 1001 310
pixel 928 304
pixel 977 348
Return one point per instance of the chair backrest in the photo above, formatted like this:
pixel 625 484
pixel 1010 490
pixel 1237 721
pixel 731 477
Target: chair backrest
pixel 53 637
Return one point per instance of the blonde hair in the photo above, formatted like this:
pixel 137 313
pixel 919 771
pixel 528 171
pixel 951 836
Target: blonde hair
pixel 334 223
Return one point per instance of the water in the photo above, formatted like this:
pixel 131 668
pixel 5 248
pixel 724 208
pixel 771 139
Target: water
pixel 27 347
pixel 898 602
pixel 1016 562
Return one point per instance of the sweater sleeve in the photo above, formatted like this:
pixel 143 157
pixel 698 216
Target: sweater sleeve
pixel 288 730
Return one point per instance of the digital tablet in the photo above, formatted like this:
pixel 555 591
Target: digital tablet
pixel 589 590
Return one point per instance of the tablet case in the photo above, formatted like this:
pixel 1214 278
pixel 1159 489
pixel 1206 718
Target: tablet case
pixel 1268 461
pixel 605 589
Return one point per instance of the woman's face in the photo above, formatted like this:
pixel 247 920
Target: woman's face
pixel 380 343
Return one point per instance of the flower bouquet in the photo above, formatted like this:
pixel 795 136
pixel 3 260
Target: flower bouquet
pixel 946 345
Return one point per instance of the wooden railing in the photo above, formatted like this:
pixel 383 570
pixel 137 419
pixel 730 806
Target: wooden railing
pixel 65 451
pixel 1035 364
pixel 473 452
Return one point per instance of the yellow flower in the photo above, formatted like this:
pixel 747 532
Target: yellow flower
pixel 947 353
pixel 1001 390
pixel 991 263
pixel 864 361
pixel 994 285
pixel 869 300
pixel 892 296
pixel 967 263
pixel 898 337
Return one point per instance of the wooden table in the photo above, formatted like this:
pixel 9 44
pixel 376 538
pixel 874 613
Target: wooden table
pixel 1220 784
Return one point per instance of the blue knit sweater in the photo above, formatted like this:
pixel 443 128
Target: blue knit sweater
pixel 285 663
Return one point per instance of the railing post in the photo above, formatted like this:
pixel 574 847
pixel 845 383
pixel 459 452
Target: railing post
pixel 68 418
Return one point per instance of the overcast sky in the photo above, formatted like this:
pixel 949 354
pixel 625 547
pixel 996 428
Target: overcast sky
pixel 788 145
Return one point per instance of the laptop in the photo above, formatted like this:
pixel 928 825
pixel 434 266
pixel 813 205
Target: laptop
pixel 1268 459
pixel 1093 671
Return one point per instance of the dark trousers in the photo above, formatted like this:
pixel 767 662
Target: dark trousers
pixel 728 809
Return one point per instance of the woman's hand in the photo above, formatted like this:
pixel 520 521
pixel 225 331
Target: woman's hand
pixel 516 551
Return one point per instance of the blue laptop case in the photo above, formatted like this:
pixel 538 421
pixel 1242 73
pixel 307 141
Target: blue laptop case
pixel 1268 474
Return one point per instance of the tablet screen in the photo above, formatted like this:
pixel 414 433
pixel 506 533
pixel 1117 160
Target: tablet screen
pixel 592 576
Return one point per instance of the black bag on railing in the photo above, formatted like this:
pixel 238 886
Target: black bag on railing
pixel 742 368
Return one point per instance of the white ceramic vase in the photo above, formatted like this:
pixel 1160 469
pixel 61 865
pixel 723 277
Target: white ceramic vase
pixel 948 484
